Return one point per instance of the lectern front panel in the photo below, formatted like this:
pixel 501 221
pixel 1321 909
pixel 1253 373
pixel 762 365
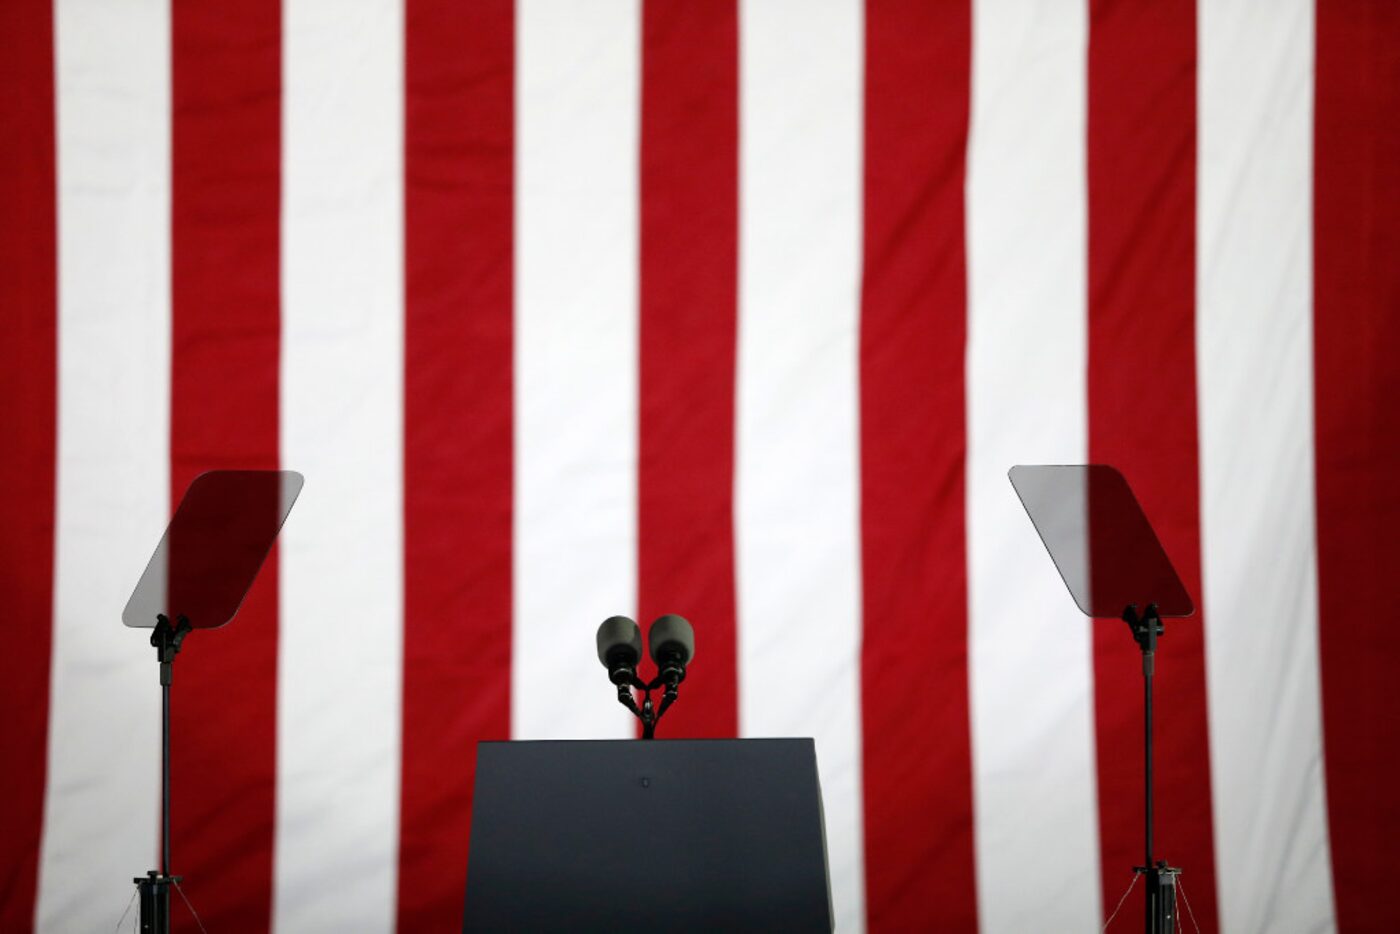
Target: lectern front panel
pixel 673 835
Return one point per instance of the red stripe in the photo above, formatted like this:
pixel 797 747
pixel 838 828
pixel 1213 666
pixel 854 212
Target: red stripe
pixel 1142 418
pixel 1356 341
pixel 917 745
pixel 689 269
pixel 28 385
pixel 225 178
pixel 459 138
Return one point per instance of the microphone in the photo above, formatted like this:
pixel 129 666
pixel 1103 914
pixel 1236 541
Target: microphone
pixel 620 648
pixel 672 643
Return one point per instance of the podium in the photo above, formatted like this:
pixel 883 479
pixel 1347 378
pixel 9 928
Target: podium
pixel 673 835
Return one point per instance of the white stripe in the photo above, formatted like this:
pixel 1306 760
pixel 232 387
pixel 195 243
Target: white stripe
pixel 113 125
pixel 1254 354
pixel 797 486
pixel 341 612
pixel 1030 662
pixel 577 100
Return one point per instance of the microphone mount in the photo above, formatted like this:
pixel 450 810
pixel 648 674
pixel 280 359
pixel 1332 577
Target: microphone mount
pixel 669 679
pixel 672 667
pixel 622 668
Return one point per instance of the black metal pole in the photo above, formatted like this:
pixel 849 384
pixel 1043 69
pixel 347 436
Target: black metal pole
pixel 154 887
pixel 1159 912
pixel 1148 665
pixel 1153 893
pixel 165 777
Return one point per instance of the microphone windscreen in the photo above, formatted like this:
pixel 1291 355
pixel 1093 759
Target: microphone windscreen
pixel 671 630
pixel 619 632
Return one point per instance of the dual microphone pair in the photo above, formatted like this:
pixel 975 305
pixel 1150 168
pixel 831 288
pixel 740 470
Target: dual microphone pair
pixel 672 643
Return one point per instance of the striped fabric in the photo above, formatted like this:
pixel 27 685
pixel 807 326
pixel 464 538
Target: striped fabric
pixel 739 309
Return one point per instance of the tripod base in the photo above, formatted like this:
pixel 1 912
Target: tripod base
pixel 154 894
pixel 1161 897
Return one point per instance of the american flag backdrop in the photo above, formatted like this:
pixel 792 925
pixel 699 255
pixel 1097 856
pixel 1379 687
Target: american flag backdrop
pixel 739 309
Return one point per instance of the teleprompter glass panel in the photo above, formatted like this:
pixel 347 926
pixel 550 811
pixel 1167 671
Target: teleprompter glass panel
pixel 1100 540
pixel 210 553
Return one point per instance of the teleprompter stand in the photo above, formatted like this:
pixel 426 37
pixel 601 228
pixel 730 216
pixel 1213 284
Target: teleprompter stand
pixel 154 887
pixel 1114 566
pixel 1161 878
pixel 209 556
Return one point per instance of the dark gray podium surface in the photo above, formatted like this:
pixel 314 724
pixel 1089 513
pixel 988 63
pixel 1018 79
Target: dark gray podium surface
pixel 632 835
